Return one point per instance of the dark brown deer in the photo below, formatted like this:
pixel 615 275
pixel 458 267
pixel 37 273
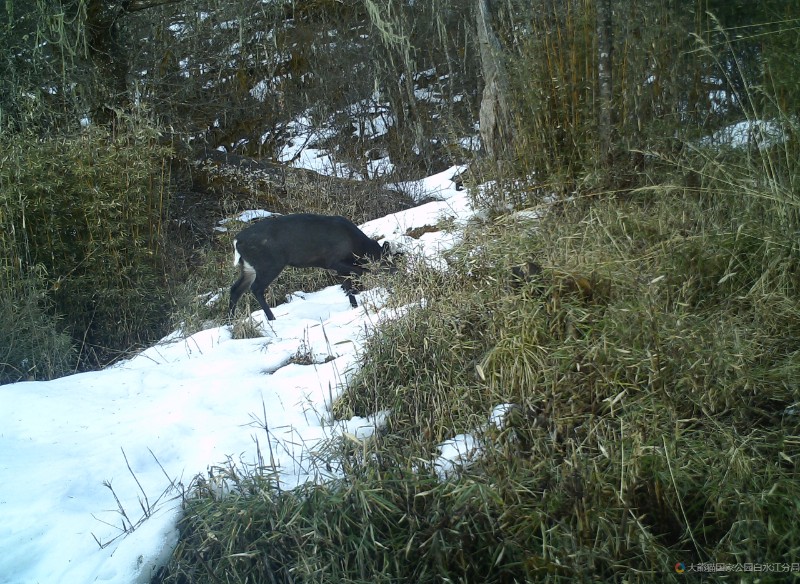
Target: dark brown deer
pixel 302 240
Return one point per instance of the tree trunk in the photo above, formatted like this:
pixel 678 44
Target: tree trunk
pixel 605 44
pixel 494 114
pixel 109 55
pixel 109 59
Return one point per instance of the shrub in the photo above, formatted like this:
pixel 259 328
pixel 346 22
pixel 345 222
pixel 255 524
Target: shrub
pixel 32 342
pixel 87 212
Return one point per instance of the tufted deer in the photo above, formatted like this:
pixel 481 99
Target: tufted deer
pixel 302 240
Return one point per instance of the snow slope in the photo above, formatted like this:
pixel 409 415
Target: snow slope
pixel 138 430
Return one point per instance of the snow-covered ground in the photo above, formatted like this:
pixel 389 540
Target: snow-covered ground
pixel 84 455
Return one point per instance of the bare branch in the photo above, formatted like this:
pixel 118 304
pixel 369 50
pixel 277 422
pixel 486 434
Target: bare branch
pixel 139 5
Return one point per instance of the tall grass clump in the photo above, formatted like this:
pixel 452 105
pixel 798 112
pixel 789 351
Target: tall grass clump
pixel 656 369
pixel 85 214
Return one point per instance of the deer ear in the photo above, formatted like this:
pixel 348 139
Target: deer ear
pixel 386 249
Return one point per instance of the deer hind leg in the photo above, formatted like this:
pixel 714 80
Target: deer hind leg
pixel 259 287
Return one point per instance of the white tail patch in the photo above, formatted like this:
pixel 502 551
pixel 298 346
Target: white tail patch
pixel 246 267
pixel 236 256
